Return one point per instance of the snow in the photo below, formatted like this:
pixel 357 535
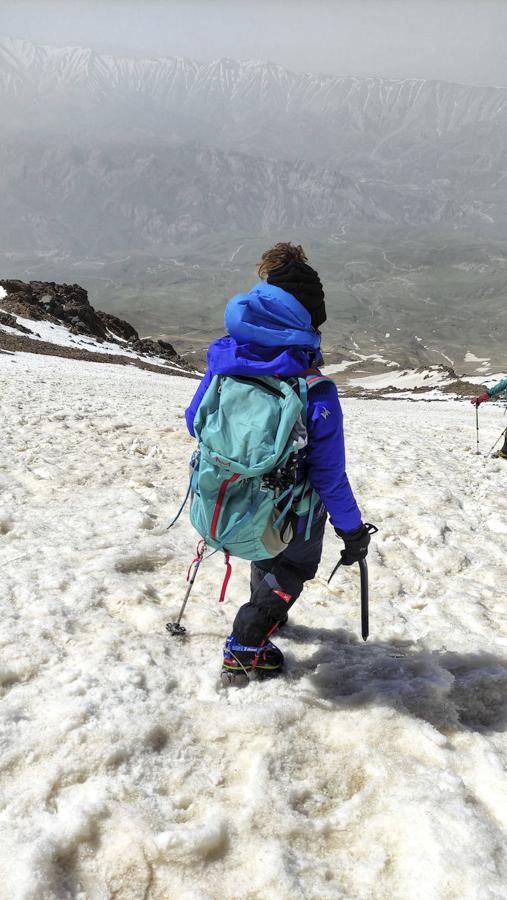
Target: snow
pixel 368 771
pixel 433 395
pixel 488 380
pixel 470 357
pixel 407 378
pixel 484 361
pixel 43 330
pixel 3 292
pixel 334 368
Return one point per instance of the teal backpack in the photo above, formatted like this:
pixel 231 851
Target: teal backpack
pixel 243 475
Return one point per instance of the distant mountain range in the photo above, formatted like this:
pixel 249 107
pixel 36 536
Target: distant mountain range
pixel 89 200
pixel 104 156
pixel 255 107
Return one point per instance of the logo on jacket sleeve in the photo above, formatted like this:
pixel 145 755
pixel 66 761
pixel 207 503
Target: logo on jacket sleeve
pixel 325 413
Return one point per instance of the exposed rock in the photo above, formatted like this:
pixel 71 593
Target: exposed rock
pixel 148 347
pixel 167 346
pixel 119 327
pixel 11 322
pixel 68 305
pixel 65 304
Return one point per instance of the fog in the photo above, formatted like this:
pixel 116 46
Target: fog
pixel 453 40
pixel 150 180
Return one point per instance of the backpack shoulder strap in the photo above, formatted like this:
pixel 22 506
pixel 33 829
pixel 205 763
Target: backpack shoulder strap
pixel 262 382
pixel 314 377
pixel 308 380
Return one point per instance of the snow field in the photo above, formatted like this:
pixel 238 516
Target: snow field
pixel 368 771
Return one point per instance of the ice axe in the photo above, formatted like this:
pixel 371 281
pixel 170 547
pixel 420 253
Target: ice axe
pixel 363 569
pixel 365 619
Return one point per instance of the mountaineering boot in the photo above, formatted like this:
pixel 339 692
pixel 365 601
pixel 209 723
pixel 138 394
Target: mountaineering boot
pixel 500 454
pixel 241 659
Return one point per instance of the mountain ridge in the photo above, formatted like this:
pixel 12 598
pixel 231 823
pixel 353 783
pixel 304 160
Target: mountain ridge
pixel 228 84
pixel 31 49
pixel 144 177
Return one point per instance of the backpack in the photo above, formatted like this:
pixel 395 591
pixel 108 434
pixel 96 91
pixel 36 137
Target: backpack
pixel 245 499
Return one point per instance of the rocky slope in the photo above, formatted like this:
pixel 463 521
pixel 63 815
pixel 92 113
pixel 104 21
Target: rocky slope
pixel 45 317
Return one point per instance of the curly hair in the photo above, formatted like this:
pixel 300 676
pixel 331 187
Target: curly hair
pixel 278 256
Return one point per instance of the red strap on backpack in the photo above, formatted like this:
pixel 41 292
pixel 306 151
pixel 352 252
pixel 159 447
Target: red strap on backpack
pixel 228 573
pixel 197 557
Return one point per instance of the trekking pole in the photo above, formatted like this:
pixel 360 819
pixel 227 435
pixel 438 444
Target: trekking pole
pixel 499 438
pixel 175 628
pixel 477 428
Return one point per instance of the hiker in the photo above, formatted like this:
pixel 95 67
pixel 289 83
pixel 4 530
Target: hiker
pixel 488 394
pixel 274 330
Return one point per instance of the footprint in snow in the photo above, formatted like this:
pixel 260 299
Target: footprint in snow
pixel 143 562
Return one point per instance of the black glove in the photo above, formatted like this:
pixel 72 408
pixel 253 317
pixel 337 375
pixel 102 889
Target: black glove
pixel 356 543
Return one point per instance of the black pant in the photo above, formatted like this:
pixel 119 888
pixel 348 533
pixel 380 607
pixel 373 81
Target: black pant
pixel 504 448
pixel 276 583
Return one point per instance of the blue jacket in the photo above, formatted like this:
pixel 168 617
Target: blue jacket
pixel 270 333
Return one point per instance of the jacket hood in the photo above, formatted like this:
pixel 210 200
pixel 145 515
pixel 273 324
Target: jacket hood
pixel 268 316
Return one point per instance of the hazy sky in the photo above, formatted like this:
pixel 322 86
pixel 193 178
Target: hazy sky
pixel 455 40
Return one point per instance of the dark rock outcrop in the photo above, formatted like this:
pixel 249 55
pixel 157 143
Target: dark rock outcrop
pixel 11 322
pixel 119 327
pixel 68 305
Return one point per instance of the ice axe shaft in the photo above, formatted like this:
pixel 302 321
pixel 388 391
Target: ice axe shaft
pixel 365 615
pixel 477 427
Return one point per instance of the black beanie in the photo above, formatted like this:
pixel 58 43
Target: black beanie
pixel 303 282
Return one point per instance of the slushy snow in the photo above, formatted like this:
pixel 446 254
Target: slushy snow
pixel 368 771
